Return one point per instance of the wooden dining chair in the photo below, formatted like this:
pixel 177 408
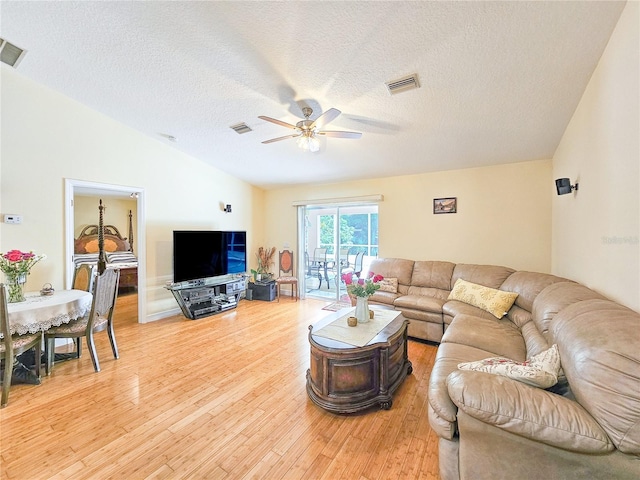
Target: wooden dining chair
pixel 286 276
pixel 13 345
pixel 99 318
pixel 83 279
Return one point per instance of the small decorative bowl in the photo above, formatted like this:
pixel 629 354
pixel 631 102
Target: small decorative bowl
pixel 47 290
pixel 352 321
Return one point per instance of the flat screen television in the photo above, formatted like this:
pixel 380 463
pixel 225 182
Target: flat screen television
pixel 199 254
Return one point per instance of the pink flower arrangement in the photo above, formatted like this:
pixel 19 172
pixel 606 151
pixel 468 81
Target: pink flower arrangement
pixel 361 287
pixel 15 263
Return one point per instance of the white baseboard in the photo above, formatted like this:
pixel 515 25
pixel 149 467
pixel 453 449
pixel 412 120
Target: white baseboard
pixel 160 315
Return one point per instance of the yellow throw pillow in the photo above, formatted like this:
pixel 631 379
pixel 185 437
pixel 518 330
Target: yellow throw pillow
pixel 496 302
pixel 389 285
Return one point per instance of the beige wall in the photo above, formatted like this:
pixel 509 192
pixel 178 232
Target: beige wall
pixel 596 230
pixel 46 137
pixel 504 214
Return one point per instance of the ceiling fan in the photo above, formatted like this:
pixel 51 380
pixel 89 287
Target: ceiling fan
pixel 307 131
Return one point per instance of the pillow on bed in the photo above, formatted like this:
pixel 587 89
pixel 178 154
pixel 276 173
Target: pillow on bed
pixel 79 258
pixel 121 257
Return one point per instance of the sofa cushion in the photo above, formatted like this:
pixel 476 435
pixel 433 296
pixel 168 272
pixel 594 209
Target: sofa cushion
pixel 448 356
pixel 386 298
pixel 489 275
pixel 598 342
pixel 538 371
pixel 428 292
pixel 528 412
pixel 554 298
pixel 419 302
pixel 519 316
pixel 496 302
pixel 496 337
pixel 528 285
pixel 454 307
pixel 432 274
pixel 389 284
pixel 533 339
pixel 393 267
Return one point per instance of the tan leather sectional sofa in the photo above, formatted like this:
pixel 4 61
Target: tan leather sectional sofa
pixel 493 427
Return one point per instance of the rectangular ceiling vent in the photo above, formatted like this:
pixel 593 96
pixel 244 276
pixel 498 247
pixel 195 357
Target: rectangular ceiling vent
pixel 403 84
pixel 10 54
pixel 241 128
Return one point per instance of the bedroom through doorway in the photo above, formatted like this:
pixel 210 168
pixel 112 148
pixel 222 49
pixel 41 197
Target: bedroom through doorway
pixel 123 218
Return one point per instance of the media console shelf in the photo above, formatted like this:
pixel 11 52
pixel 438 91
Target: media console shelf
pixel 208 296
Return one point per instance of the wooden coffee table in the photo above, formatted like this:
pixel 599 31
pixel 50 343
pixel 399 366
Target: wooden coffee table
pixel 344 378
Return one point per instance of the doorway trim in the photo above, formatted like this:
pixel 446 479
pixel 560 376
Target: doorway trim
pixel 93 187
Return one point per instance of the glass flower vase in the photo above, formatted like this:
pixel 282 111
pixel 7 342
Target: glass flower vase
pixel 15 287
pixel 362 309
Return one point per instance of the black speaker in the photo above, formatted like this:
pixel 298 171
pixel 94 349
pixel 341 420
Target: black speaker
pixel 563 186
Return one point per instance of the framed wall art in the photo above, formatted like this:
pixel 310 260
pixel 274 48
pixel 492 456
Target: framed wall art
pixel 445 205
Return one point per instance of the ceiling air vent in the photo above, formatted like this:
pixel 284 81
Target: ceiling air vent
pixel 403 84
pixel 10 54
pixel 241 128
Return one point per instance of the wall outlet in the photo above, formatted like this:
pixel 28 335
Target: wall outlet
pixel 9 218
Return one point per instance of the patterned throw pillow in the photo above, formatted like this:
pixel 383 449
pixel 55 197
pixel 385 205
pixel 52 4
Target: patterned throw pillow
pixel 389 284
pixel 496 302
pixel 539 371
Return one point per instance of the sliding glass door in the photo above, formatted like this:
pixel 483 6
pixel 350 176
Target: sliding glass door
pixel 338 239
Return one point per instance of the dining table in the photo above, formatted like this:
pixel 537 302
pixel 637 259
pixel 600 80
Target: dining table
pixel 41 312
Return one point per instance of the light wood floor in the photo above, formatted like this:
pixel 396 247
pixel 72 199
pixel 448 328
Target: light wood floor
pixel 218 398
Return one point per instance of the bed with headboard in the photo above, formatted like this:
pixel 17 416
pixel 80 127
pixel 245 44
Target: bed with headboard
pixel 118 251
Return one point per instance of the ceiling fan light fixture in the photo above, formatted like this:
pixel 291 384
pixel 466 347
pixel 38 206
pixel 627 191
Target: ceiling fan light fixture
pixel 308 142
pixel 308 130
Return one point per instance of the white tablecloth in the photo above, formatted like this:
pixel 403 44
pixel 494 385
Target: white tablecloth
pixel 40 313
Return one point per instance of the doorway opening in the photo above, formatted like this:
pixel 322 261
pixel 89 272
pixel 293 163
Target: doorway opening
pixel 81 193
pixel 338 240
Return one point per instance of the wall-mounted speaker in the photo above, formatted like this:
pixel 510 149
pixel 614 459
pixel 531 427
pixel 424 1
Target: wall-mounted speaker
pixel 563 186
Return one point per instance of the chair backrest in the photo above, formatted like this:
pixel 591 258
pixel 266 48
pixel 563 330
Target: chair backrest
pixel 286 262
pixel 104 295
pixel 4 323
pixel 83 277
pixel 357 264
pixel 344 257
pixel 320 254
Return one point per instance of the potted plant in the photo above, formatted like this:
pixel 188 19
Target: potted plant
pixel 265 261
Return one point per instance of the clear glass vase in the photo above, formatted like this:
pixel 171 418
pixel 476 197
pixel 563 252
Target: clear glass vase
pixel 15 287
pixel 362 309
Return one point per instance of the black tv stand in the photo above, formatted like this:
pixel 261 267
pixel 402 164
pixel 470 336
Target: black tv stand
pixel 208 296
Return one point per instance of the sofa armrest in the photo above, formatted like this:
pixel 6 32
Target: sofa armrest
pixel 527 411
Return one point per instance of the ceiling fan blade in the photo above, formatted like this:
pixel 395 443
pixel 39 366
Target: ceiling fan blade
pixel 330 133
pixel 276 121
pixel 282 138
pixel 325 118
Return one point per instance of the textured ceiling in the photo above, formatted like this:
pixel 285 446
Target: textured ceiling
pixel 499 80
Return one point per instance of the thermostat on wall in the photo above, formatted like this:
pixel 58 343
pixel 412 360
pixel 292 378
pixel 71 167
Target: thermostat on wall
pixel 9 218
